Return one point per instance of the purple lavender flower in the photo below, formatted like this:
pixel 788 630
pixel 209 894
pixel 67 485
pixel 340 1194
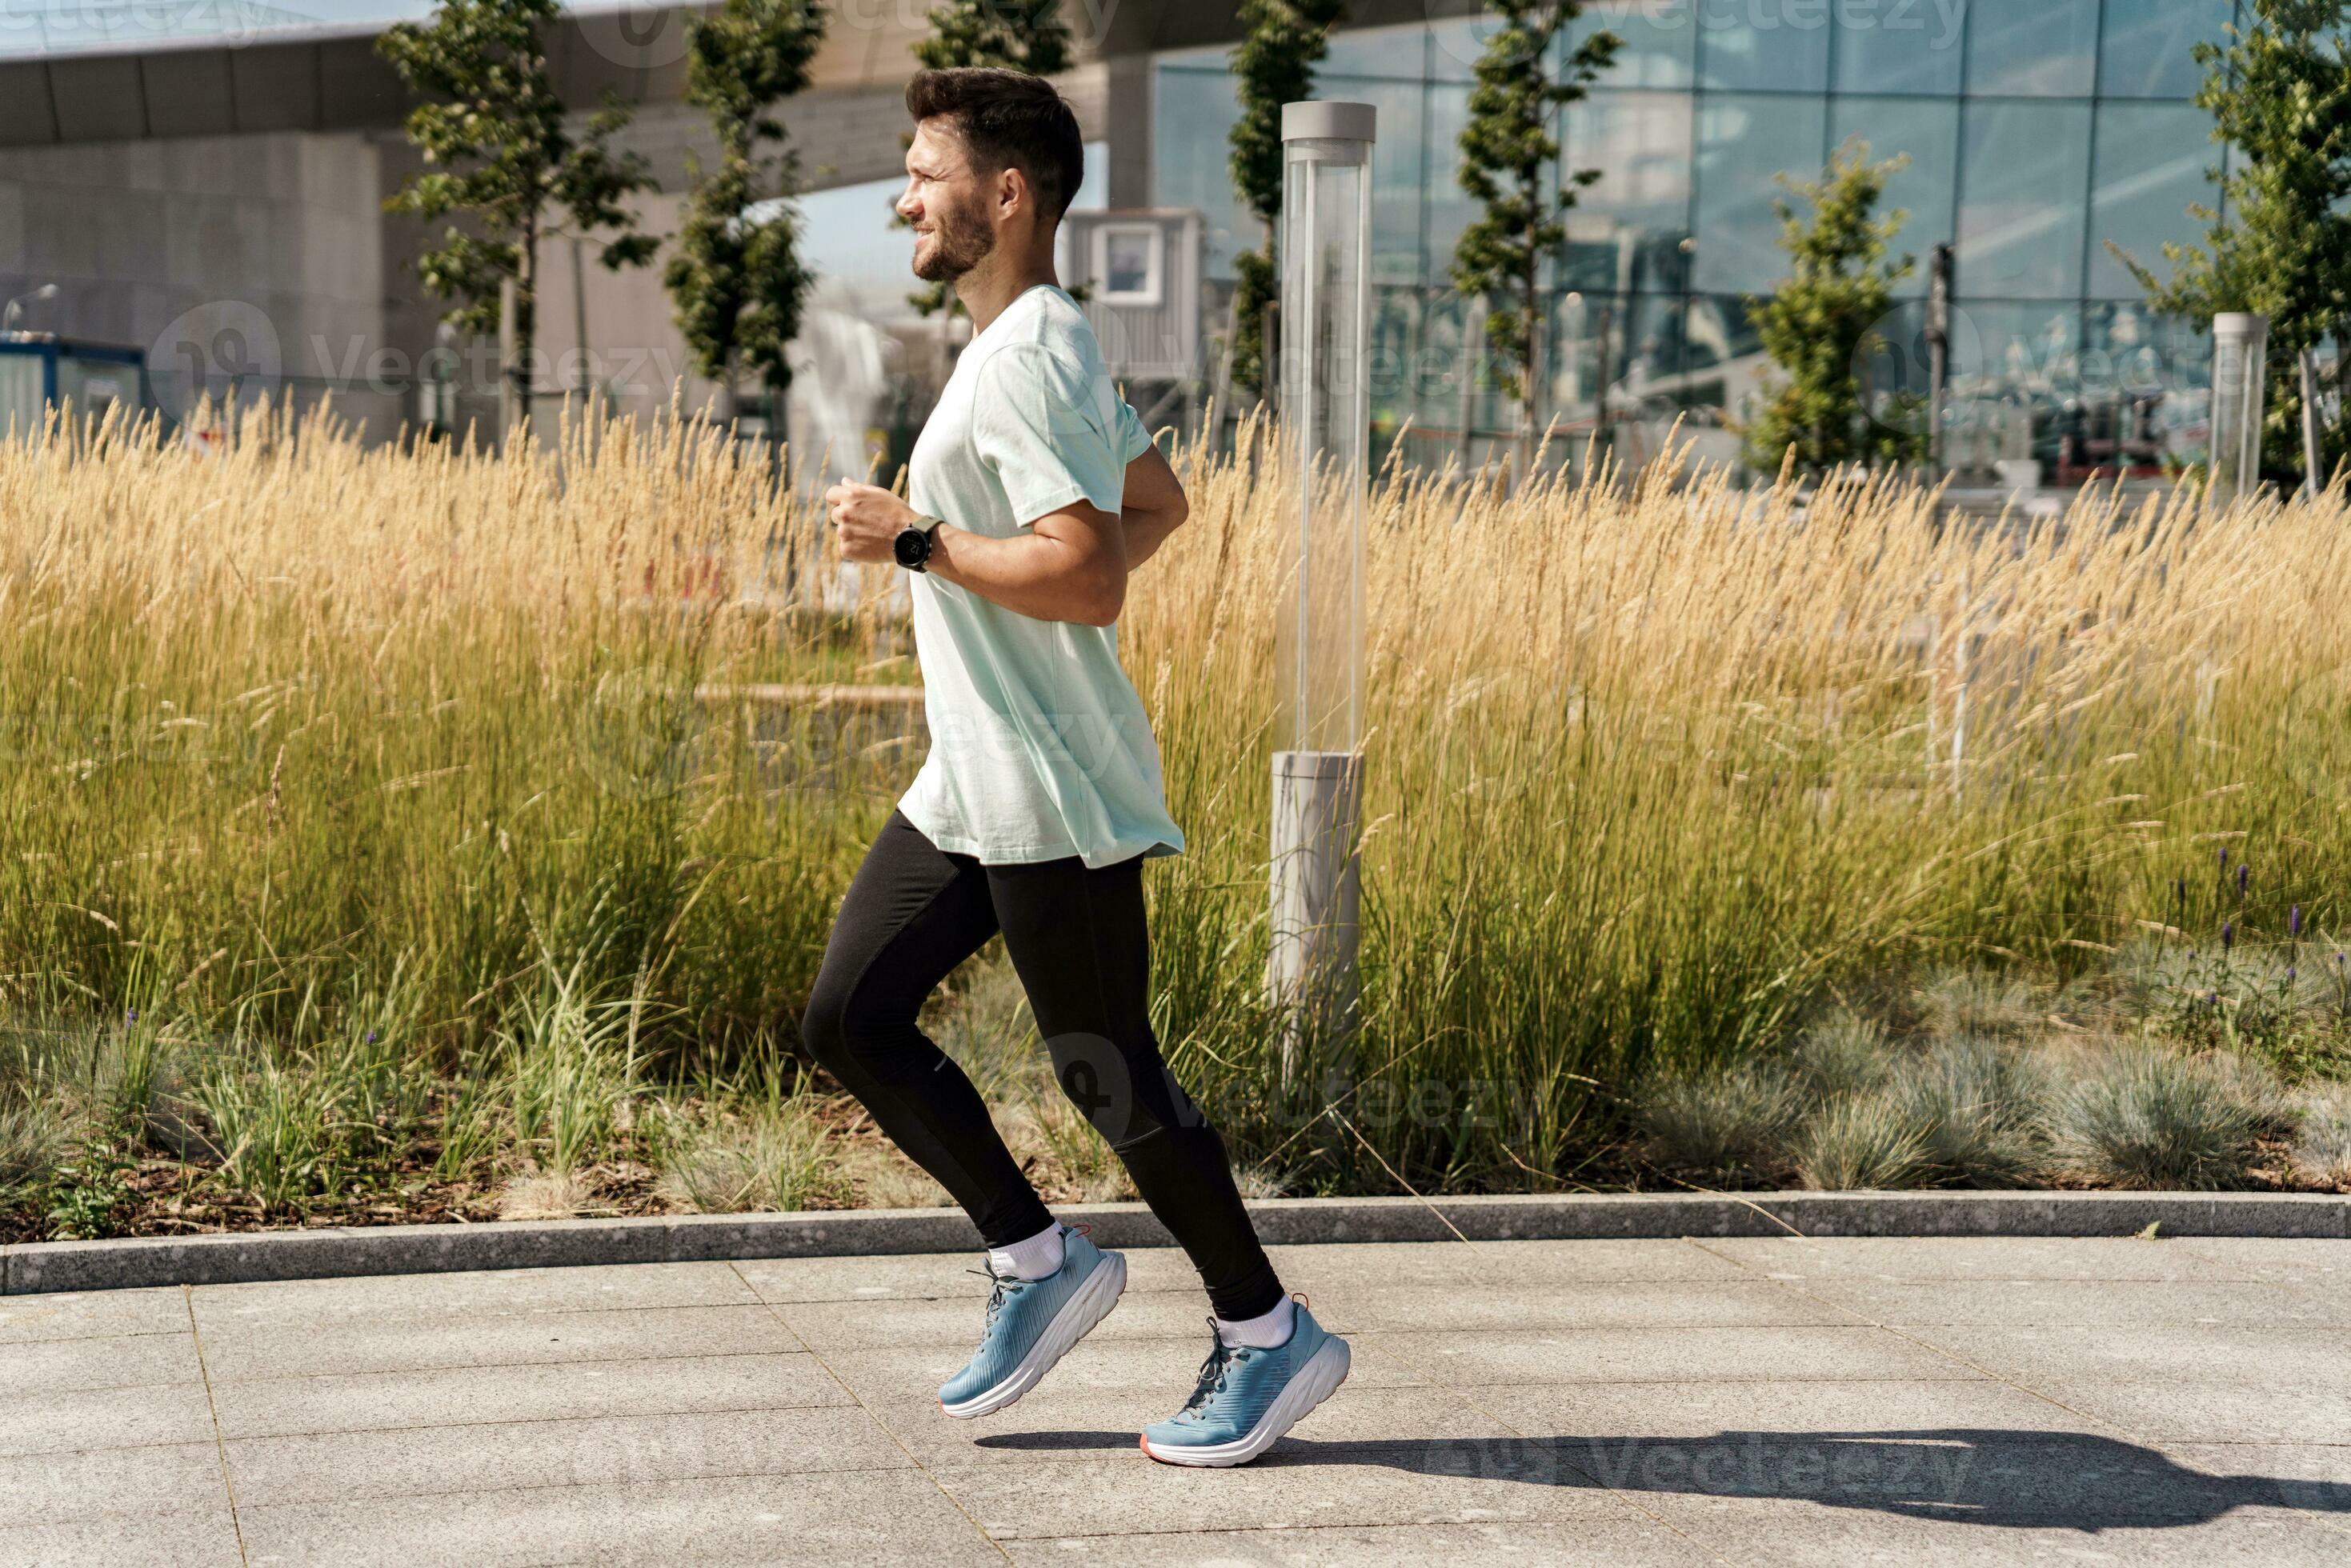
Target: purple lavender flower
pixel 2244 870
pixel 2214 998
pixel 2289 973
pixel 2224 859
pixel 2228 936
pixel 371 1039
pixel 2294 921
pixel 131 1016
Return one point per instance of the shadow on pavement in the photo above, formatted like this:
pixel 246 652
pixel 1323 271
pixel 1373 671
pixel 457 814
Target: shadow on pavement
pixel 1999 1477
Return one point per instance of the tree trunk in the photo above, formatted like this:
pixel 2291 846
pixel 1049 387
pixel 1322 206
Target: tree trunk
pixel 1530 361
pixel 525 316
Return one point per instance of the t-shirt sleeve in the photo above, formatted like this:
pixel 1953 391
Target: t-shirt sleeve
pixel 1048 431
pixel 1133 440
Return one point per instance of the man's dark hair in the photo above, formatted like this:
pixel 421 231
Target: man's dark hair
pixel 1008 120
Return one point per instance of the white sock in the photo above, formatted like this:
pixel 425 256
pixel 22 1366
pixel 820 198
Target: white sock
pixel 1037 1258
pixel 1267 1333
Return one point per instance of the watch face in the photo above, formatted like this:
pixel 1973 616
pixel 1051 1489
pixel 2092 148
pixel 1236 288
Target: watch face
pixel 914 548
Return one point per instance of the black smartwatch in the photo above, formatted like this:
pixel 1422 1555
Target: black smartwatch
pixel 912 546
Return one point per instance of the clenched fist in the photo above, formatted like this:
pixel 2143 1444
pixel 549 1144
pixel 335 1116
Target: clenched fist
pixel 867 520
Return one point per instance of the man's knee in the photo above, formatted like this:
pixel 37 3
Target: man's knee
pixel 851 1028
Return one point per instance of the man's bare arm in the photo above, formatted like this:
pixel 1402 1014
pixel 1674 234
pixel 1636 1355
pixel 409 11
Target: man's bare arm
pixel 1068 566
pixel 1151 506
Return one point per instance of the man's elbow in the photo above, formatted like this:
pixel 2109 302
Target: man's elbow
pixel 1102 595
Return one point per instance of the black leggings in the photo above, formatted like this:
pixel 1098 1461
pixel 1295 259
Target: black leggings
pixel 1079 942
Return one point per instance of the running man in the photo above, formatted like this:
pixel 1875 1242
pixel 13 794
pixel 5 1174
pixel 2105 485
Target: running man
pixel 1035 490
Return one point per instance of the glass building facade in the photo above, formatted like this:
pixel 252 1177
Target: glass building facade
pixel 2035 131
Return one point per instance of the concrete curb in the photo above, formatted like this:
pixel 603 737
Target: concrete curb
pixel 46 1266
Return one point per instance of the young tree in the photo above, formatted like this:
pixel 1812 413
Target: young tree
pixel 1821 324
pixel 500 153
pixel 736 278
pixel 1509 162
pixel 1282 43
pixel 2280 94
pixel 1005 35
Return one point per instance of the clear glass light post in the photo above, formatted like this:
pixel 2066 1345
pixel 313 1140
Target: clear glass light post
pixel 1324 412
pixel 2240 356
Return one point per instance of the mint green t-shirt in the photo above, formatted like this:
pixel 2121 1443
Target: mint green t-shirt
pixel 1040 747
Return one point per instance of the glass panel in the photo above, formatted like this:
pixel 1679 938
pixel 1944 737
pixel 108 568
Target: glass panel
pixel 2148 385
pixel 1743 143
pixel 2024 175
pixel 1927 132
pixel 2151 162
pixel 1896 48
pixel 1192 114
pixel 23 405
pixel 2014 367
pixel 1397 53
pixel 1660 39
pixel 1129 259
pixel 1451 208
pixel 2033 48
pixel 1781 47
pixel 1397 173
pixel 2146 49
pixel 1627 231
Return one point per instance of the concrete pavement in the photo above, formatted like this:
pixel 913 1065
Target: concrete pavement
pixel 1725 1400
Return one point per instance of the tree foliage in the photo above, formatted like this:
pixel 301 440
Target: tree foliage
pixel 1510 156
pixel 1009 35
pixel 1282 43
pixel 2280 94
pixel 501 154
pixel 1820 326
pixel 736 277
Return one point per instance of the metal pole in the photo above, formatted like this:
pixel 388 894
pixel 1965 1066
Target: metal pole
pixel 1938 354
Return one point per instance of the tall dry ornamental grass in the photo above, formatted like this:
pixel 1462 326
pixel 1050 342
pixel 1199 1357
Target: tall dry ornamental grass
pixel 1648 772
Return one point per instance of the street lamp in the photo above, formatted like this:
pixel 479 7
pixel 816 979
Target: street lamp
pixel 2241 344
pixel 16 306
pixel 1326 228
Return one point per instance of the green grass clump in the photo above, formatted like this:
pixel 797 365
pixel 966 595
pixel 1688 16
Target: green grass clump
pixel 1868 1142
pixel 1734 1120
pixel 1978 1106
pixel 2141 1117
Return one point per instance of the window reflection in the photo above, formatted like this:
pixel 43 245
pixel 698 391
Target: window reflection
pixel 1763 48
pixel 1927 131
pixel 1193 113
pixel 1900 48
pixel 1660 40
pixel 2021 217
pixel 1743 143
pixel 2033 48
pixel 2152 157
pixel 1626 232
pixel 2148 49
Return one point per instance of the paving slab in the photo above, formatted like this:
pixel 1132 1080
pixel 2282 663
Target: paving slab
pixel 1669 1355
pixel 92 1314
pixel 471 1396
pixel 1605 1412
pixel 1604 1543
pixel 1610 1401
pixel 235 1349
pixel 852 1516
pixel 94 1363
pixel 72 1421
pixel 2115 1304
pixel 602 1450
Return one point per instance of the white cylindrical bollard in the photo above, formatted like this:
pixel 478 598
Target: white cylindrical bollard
pixel 2240 395
pixel 1324 338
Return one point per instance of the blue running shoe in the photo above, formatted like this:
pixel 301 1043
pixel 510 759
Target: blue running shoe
pixel 1247 1397
pixel 1033 1323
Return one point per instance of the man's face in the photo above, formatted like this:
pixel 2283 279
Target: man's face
pixel 947 203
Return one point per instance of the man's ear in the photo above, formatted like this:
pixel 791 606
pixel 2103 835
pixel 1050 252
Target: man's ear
pixel 1014 197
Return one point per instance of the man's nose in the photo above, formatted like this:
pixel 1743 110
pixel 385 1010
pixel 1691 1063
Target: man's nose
pixel 908 207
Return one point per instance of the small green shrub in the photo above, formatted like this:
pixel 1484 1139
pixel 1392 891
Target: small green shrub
pixel 2143 1118
pixel 765 1158
pixel 1735 1120
pixel 1976 1002
pixel 1977 1104
pixel 1841 1055
pixel 1870 1142
pixel 2322 1149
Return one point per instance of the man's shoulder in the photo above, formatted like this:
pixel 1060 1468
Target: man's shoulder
pixel 1046 322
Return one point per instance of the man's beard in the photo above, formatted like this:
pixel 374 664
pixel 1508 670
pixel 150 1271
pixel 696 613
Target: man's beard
pixel 960 241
